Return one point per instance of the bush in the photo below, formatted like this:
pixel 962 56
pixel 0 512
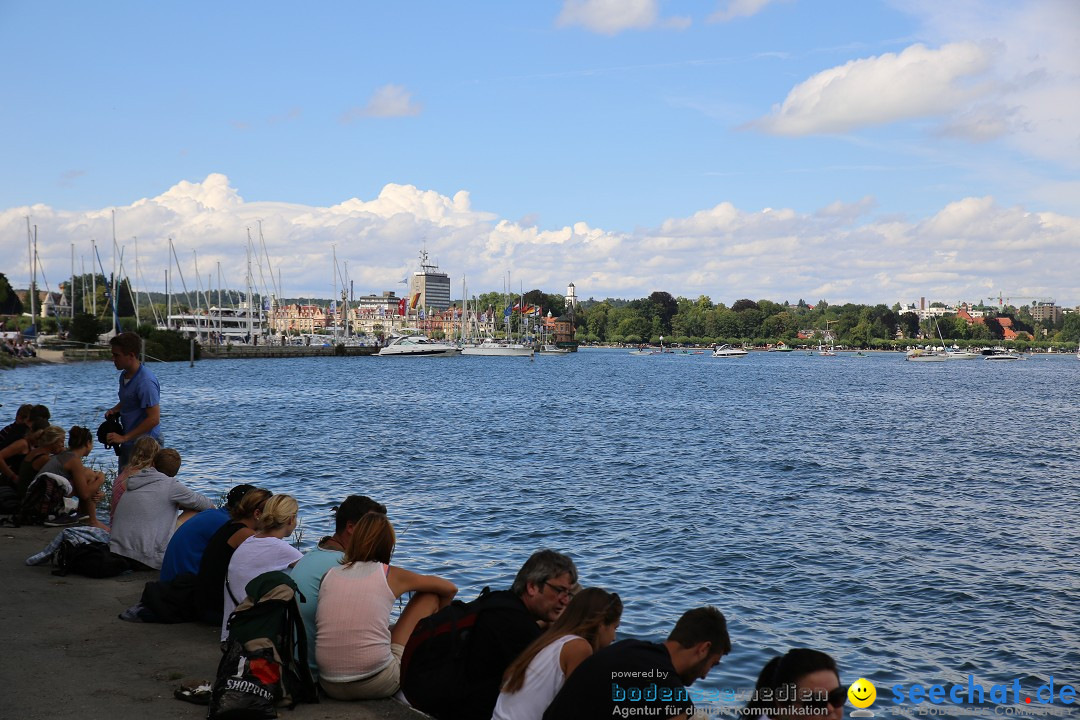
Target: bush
pixel 85 328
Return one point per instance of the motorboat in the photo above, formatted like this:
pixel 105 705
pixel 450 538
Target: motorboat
pixel 550 349
pixel 780 347
pixel 958 354
pixel 417 345
pixel 727 351
pixel 494 348
pixel 1004 355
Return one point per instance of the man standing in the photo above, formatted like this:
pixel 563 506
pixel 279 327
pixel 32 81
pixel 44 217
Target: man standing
pixel 140 396
pixel 634 678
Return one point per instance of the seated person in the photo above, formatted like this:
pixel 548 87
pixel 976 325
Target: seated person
pixel 85 483
pixel 187 545
pixel 147 517
pixel 358 653
pixel 308 573
pixel 210 582
pixel 531 682
pixel 142 457
pixel 48 443
pixel 12 456
pixel 802 683
pixel 540 592
pixel 264 551
pixel 695 646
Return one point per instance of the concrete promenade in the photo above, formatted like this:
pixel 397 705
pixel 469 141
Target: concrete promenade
pixel 67 655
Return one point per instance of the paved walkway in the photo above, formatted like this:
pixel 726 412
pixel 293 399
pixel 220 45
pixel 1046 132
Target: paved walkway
pixel 66 655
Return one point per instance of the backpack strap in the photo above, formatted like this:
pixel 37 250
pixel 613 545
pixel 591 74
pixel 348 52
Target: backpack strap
pixel 228 589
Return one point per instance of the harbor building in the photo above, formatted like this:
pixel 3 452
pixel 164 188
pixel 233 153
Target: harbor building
pixel 1046 311
pixel 429 288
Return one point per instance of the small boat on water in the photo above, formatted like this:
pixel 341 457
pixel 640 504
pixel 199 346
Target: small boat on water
pixel 417 346
pixel 494 348
pixel 550 349
pixel 780 347
pixel 1004 355
pixel 727 351
pixel 925 355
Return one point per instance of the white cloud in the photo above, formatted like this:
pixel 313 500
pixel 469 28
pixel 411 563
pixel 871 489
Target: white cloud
pixel 738 9
pixel 917 82
pixel 969 249
pixel 387 101
pixel 611 17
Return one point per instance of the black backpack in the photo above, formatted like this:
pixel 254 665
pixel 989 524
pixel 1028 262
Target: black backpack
pixel 434 664
pixel 90 559
pixel 265 664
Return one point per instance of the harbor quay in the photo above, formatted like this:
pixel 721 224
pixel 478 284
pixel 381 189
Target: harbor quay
pixel 70 656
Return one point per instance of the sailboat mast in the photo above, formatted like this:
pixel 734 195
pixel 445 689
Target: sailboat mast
pixel 71 288
pixel 32 292
pixel 93 279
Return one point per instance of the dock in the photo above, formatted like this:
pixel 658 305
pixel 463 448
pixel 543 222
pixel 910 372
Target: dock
pixel 69 655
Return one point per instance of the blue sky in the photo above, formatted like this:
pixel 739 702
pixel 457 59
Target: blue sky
pixel 851 151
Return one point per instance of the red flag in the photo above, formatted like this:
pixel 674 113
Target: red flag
pixel 401 306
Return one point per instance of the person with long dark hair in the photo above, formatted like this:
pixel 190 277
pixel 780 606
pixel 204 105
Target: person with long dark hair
pixel 802 683
pixel 531 682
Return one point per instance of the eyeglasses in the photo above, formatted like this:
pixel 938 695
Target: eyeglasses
pixel 566 592
pixel 836 698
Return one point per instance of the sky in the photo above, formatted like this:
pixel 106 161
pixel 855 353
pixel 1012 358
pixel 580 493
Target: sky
pixel 873 151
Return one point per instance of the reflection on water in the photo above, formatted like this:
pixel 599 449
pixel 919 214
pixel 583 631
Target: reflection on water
pixel 914 520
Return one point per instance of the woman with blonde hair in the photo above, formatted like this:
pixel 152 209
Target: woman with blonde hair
pixel 532 681
pixel 142 457
pixel 245 504
pixel 264 551
pixel 358 653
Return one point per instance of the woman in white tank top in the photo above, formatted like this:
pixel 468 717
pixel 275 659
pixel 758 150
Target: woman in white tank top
pixel 358 653
pixel 531 682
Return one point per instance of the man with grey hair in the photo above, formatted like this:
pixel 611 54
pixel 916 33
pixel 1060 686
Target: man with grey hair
pixel 506 622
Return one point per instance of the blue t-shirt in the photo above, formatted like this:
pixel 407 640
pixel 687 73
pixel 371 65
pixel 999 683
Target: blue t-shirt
pixel 140 392
pixel 308 575
pixel 188 543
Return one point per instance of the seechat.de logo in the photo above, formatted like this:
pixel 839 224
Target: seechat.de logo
pixel 862 695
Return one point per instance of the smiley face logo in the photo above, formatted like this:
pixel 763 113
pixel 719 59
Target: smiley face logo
pixel 862 693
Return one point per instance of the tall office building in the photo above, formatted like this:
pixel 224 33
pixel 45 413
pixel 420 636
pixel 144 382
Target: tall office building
pixel 432 286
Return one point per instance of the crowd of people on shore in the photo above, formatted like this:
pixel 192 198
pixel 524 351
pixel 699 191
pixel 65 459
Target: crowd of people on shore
pixel 543 648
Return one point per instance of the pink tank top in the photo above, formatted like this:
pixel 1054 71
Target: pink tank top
pixel 352 621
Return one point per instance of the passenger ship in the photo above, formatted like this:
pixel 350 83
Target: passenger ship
pixel 220 326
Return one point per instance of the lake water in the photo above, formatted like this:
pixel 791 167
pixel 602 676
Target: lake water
pixel 915 520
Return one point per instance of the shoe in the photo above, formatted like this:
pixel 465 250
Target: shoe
pixel 65 520
pixel 196 693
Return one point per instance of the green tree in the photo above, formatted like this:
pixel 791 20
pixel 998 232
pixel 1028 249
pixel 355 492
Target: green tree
pixel 10 304
pixel 85 328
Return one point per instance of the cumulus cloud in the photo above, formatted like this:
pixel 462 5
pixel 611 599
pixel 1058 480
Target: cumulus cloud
pixel 917 82
pixel 387 101
pixel 611 17
pixel 1036 71
pixel 738 9
pixel 969 249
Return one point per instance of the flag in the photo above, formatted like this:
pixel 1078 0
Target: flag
pixel 420 314
pixel 401 306
pixel 382 311
pixel 517 307
pixel 333 307
pixel 414 300
pixel 506 312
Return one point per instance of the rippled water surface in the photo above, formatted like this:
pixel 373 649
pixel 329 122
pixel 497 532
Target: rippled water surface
pixel 917 521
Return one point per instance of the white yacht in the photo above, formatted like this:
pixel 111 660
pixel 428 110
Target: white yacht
pixel 220 325
pixel 925 355
pixel 727 351
pixel 417 345
pixel 550 349
pixel 495 348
